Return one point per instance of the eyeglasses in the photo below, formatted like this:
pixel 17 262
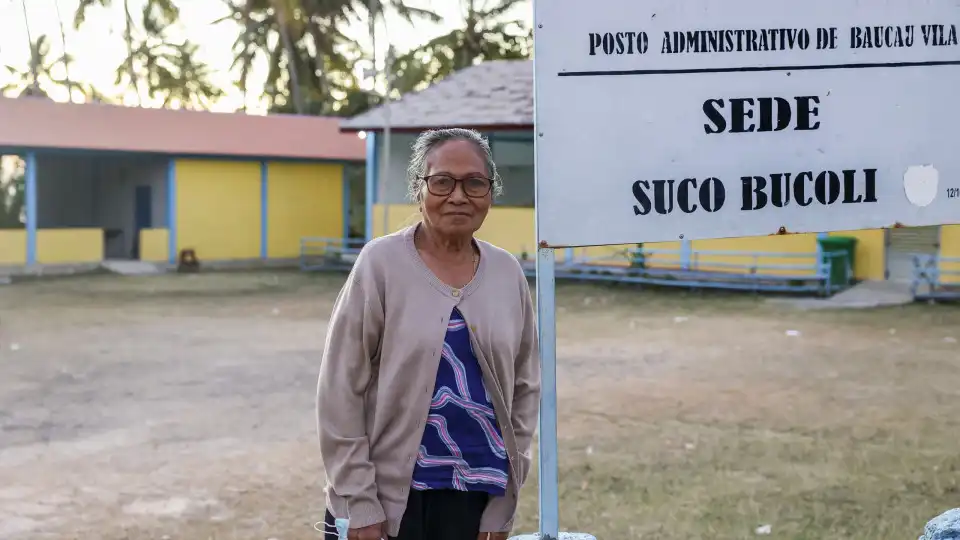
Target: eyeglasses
pixel 441 185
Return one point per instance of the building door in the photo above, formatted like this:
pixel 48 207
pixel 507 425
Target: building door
pixel 905 243
pixel 142 215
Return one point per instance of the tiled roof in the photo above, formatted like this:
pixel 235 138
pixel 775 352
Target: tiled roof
pixel 490 94
pixel 40 123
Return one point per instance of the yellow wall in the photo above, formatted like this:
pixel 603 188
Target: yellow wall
pixel 218 208
pixel 950 248
pixel 398 217
pixel 302 200
pixel 69 246
pixel 506 227
pixel 54 246
pixel 869 260
pixel 514 230
pixel 13 247
pixel 786 243
pixel 154 245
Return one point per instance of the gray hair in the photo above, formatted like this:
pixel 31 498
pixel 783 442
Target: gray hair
pixel 430 140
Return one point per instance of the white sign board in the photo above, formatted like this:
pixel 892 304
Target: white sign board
pixel 666 119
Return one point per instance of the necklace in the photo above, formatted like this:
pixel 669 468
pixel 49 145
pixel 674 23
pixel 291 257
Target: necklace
pixel 476 260
pixel 418 237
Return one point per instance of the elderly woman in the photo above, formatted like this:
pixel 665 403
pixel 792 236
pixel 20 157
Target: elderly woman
pixel 430 379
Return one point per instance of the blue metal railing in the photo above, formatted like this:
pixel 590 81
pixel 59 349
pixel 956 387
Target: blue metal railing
pixel 939 276
pixel 329 254
pixel 705 269
pixel 805 273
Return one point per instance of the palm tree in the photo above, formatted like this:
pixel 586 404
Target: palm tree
pixel 80 17
pixel 34 68
pixel 275 30
pixel 310 59
pixel 284 10
pixel 36 80
pixel 164 12
pixel 485 35
pixel 297 38
pixel 63 43
pixel 155 66
pixel 176 76
pixel 169 71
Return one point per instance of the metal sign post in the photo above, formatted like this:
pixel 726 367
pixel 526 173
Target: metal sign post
pixel 547 439
pixel 547 463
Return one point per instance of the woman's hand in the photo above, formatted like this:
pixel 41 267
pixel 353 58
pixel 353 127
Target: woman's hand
pixel 492 536
pixel 370 532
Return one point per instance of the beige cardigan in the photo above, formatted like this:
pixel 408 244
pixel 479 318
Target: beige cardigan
pixel 380 363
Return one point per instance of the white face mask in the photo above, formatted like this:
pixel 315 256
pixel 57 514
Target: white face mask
pixel 341 525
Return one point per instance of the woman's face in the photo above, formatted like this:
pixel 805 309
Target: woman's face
pixel 453 198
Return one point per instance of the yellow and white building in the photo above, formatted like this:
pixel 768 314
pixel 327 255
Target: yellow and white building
pixel 104 182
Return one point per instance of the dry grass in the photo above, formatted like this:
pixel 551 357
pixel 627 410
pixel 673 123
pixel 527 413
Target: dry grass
pixel 182 406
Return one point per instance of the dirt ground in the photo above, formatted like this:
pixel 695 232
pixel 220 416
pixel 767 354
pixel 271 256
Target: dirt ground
pixel 181 407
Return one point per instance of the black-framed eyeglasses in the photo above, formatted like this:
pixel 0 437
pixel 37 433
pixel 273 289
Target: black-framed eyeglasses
pixel 441 185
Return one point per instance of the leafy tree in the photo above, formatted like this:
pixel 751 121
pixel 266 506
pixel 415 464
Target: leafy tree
pixel 128 68
pixel 155 66
pixel 38 78
pixel 485 35
pixel 66 58
pixel 170 71
pixel 310 59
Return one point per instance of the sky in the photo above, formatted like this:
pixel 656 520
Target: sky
pixel 98 47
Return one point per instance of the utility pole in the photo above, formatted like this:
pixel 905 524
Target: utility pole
pixel 34 61
pixel 388 66
pixel 372 7
pixel 63 43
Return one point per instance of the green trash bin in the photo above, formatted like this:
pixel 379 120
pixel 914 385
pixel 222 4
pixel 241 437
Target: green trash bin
pixel 832 247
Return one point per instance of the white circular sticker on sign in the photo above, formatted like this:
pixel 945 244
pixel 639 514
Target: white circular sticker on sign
pixel 921 183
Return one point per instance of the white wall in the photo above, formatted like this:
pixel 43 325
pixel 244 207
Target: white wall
pixel 98 192
pixel 514 161
pixel 394 179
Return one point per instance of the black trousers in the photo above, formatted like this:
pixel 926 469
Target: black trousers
pixel 437 515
